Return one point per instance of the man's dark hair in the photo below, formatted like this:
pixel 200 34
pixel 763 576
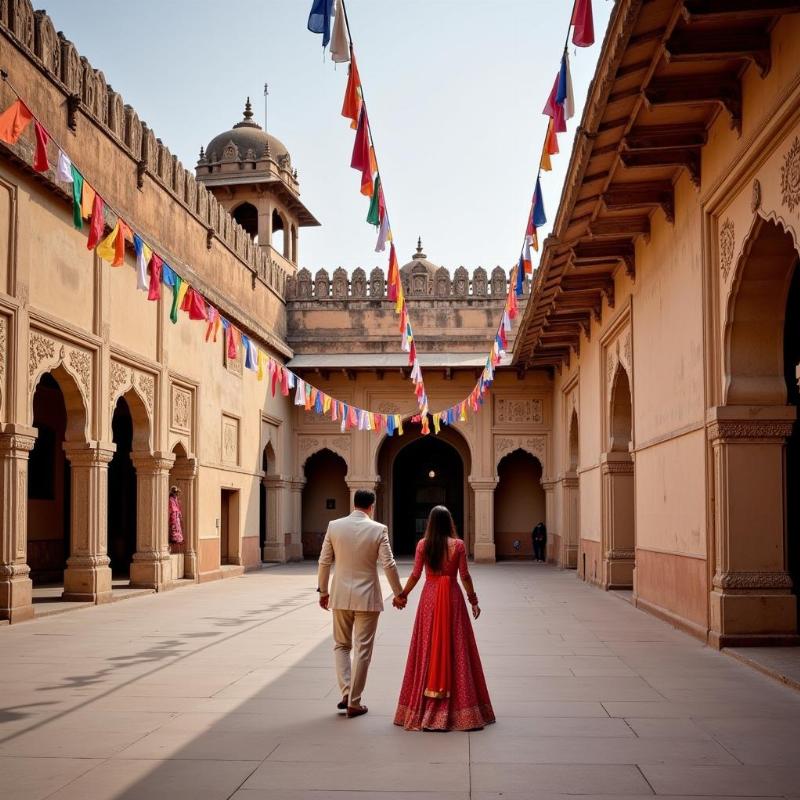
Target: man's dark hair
pixel 364 498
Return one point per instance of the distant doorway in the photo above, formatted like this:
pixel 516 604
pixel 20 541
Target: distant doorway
pixel 229 527
pixel 519 504
pixel 426 473
pixel 325 497
pixel 122 495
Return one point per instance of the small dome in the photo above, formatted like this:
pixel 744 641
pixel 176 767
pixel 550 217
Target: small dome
pixel 248 140
pixel 419 259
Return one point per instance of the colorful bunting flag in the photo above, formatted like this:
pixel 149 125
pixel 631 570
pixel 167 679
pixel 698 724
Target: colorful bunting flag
pixel 351 107
pixel 564 95
pixel 13 122
pixel 40 161
pixel 555 111
pixel 64 169
pixel 319 19
pixel 77 189
pixel 373 215
pixel 340 47
pixel 583 34
pixel 98 223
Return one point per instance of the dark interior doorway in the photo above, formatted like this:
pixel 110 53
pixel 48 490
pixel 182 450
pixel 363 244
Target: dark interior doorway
pixel 791 350
pixel 229 526
pixel 121 493
pixel 426 473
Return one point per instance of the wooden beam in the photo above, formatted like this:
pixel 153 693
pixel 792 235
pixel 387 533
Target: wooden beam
pixel 612 124
pixel 688 157
pixel 620 226
pixel 751 43
pixel 636 66
pixel 716 88
pixel 655 137
pixel 630 196
pixel 738 10
pixel 603 251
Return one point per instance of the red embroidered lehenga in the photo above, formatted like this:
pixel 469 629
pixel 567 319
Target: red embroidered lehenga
pixel 443 688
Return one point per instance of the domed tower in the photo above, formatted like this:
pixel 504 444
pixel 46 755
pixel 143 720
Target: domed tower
pixel 250 173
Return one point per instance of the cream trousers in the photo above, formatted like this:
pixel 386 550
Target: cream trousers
pixel 353 631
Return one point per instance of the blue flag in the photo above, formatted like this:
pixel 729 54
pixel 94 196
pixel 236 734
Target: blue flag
pixel 539 217
pixel 319 19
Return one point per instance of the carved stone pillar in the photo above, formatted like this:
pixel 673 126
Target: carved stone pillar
pixel 570 498
pixel 619 532
pixel 294 538
pixel 151 568
pixel 751 596
pixel 483 489
pixel 88 574
pixel 553 548
pixel 278 488
pixel 16 589
pixel 184 475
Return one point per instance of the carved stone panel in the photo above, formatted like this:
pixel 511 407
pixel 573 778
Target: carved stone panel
pixel 479 282
pixel 498 282
pixel 321 284
pixel 304 284
pixel 442 282
pixel 21 21
pixel 377 284
pixel 518 411
pixel 181 409
pixel 727 244
pixel 46 44
pixel 339 283
pixel 359 283
pixel 230 440
pixel 790 176
pixel 308 445
pixel 461 282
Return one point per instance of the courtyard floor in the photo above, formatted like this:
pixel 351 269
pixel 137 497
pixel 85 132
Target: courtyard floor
pixel 228 690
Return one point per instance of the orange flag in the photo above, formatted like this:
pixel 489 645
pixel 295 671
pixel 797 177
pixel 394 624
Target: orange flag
pixel 87 200
pixel 13 122
pixel 351 107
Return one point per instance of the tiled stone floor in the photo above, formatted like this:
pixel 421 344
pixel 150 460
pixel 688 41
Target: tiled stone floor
pixel 227 690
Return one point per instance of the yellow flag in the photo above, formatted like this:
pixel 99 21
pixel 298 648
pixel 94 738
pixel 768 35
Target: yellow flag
pixel 182 289
pixel 260 365
pixel 106 249
pixel 398 421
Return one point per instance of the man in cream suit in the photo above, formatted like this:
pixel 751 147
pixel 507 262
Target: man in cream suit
pixel 357 543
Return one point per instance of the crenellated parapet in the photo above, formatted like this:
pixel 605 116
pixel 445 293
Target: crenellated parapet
pixel 460 286
pixel 87 91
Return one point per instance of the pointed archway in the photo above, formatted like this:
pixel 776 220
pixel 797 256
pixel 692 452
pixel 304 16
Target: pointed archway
pixel 519 504
pixel 325 497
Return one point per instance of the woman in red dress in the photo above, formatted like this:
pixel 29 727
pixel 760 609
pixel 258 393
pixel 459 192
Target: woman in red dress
pixel 443 688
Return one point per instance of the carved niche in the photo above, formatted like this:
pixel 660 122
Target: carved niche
pixel 340 284
pixel 46 45
pixel 230 152
pixel 359 283
pixel 21 21
pixel 124 378
pixel 116 114
pixel 790 176
pixel 230 440
pixel 71 70
pixel 132 136
pixel 518 411
pixel 46 353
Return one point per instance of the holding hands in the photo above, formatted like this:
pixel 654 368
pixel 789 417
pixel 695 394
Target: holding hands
pixel 400 601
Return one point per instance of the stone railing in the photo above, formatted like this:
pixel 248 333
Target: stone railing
pixel 416 285
pixel 87 89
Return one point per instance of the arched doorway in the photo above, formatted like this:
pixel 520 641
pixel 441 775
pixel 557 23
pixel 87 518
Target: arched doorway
pixel 571 503
pixel 753 436
pixel 325 497
pixel 267 507
pixel 407 491
pixel 182 476
pixel 280 236
pixel 619 527
pixel 48 486
pixel 519 504
pixel 122 495
pixel 246 215
pixel 791 361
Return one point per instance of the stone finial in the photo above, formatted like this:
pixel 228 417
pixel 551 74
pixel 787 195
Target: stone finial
pixel 202 158
pixel 419 253
pixel 248 110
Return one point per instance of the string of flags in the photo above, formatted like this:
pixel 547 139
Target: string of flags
pixel 560 107
pixel 365 161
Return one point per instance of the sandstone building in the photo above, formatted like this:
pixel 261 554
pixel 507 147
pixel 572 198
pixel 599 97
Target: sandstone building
pixel 645 410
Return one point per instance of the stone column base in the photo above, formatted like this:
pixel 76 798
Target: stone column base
pixel 16 594
pixel 149 573
pixel 618 570
pixel 485 552
pixel 87 580
pixel 568 558
pixel 274 553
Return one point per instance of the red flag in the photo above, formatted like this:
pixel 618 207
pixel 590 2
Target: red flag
pixel 360 157
pixel 583 35
pixel 284 382
pixel 194 303
pixel 231 342
pixel 13 121
pixel 351 107
pixel 154 292
pixel 40 162
pixel 98 224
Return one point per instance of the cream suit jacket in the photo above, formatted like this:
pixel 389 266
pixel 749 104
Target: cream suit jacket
pixel 357 543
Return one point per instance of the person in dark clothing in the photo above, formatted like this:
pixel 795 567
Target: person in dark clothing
pixel 539 536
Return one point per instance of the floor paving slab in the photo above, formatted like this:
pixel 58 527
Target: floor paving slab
pixel 228 690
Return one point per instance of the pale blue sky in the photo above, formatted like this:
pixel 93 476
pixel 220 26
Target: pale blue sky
pixel 455 90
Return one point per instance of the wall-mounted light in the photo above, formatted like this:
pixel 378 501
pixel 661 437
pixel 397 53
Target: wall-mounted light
pixel 432 474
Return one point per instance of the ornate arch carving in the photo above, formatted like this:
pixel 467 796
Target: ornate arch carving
pixel 307 446
pixel 125 379
pixel 535 445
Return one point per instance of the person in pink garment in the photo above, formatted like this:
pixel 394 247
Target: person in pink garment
pixel 175 520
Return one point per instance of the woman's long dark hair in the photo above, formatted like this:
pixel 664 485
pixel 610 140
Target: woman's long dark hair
pixel 440 527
